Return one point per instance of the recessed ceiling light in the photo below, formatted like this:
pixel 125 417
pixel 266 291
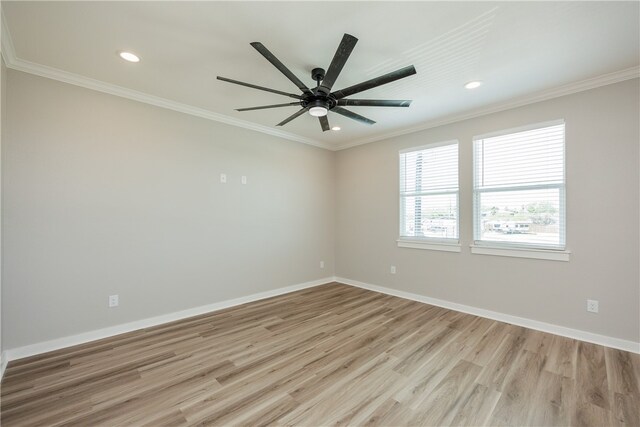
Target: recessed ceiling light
pixel 335 128
pixel 128 56
pixel 473 84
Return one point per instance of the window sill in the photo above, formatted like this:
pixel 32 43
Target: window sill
pixel 546 254
pixel 431 246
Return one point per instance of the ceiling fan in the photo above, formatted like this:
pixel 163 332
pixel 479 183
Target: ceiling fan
pixel 320 100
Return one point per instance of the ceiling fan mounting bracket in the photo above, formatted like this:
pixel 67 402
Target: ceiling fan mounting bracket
pixel 317 74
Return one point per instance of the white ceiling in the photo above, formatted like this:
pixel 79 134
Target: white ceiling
pixel 517 49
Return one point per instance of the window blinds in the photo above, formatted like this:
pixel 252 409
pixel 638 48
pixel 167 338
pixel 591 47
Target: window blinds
pixel 519 187
pixel 429 192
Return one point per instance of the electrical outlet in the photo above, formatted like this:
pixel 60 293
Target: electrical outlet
pixel 393 269
pixel 243 179
pixel 321 264
pixel 592 305
pixel 113 301
pixel 223 178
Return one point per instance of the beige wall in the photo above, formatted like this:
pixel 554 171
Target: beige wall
pixel 103 195
pixel 3 84
pixel 602 151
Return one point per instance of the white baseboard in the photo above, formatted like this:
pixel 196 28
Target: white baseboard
pixel 3 363
pixel 494 315
pixel 56 344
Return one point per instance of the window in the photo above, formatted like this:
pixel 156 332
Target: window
pixel 429 194
pixel 519 188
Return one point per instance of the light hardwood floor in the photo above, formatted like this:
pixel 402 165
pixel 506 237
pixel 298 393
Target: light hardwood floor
pixel 330 355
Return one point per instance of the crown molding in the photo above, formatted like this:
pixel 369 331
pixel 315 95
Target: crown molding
pixel 86 82
pixel 13 62
pixel 6 43
pixel 568 89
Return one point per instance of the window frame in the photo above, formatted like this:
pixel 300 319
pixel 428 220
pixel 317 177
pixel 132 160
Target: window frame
pixel 446 244
pixel 521 249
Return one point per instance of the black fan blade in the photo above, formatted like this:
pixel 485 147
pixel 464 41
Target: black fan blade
pixel 268 106
pixel 280 66
pixel 339 59
pixel 293 116
pixel 324 122
pixel 378 81
pixel 374 102
pixel 352 115
pixel 291 95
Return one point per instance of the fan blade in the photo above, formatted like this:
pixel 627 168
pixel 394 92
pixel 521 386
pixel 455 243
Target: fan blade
pixel 293 116
pixel 268 106
pixel 374 102
pixel 352 115
pixel 378 81
pixel 324 122
pixel 339 59
pixel 290 95
pixel 280 66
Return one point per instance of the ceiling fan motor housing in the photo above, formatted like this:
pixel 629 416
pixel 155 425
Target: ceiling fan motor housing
pixel 319 97
pixel 319 100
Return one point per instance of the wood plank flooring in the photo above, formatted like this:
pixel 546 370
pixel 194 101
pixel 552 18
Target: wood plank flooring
pixel 330 355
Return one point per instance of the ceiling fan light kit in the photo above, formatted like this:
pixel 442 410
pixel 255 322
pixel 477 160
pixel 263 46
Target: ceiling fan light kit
pixel 318 111
pixel 319 101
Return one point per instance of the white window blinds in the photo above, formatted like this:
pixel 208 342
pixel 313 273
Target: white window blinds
pixel 429 192
pixel 519 187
